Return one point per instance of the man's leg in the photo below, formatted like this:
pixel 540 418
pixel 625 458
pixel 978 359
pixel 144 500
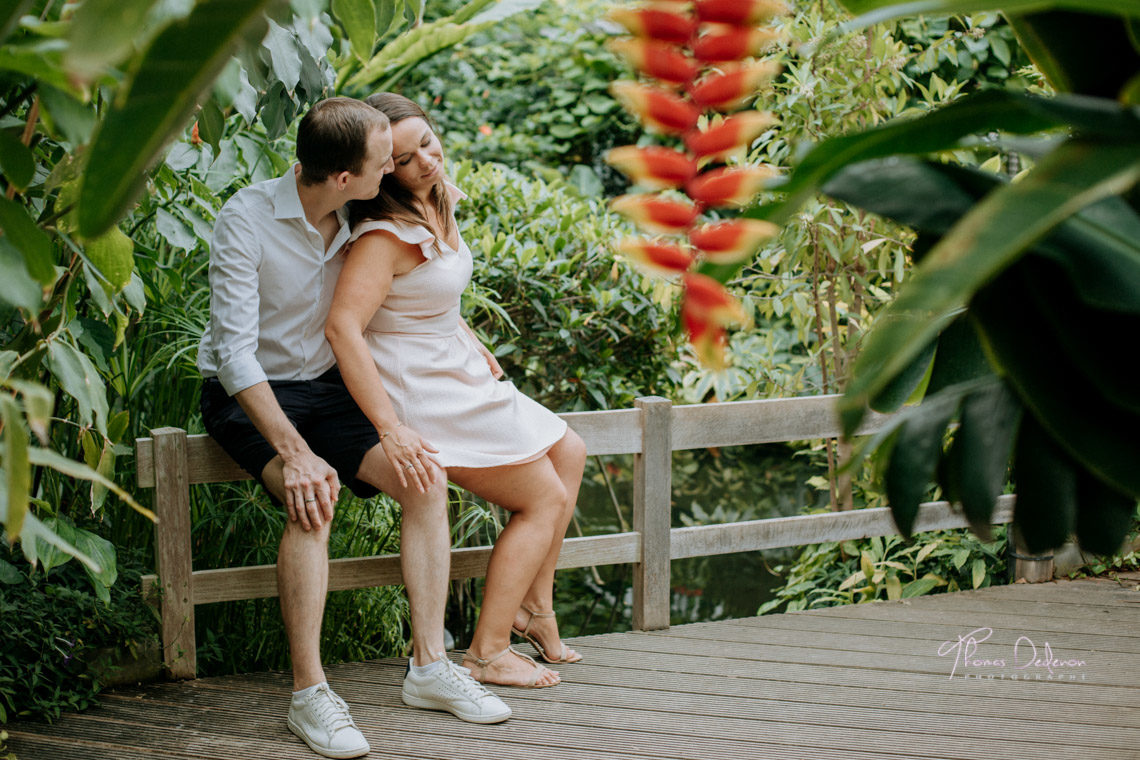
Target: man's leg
pixel 425 549
pixel 302 586
pixel 432 682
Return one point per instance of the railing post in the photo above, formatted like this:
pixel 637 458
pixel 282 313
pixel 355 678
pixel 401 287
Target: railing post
pixel 172 551
pixel 652 514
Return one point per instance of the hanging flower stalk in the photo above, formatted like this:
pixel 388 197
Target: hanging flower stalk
pixel 700 65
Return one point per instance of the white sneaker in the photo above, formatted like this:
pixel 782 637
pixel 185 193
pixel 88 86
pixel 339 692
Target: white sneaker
pixel 452 688
pixel 322 721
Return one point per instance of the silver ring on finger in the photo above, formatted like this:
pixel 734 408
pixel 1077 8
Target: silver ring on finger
pixel 410 466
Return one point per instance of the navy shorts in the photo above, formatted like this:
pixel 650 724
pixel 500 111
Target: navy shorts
pixel 323 412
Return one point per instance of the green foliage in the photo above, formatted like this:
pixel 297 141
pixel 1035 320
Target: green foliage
pixel 235 524
pixel 853 572
pixel 531 92
pixel 572 329
pixel 59 638
pixel 1004 254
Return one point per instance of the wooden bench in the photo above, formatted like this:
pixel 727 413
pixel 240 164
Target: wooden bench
pixel 171 461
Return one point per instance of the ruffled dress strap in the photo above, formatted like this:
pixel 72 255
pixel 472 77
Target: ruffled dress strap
pixel 412 234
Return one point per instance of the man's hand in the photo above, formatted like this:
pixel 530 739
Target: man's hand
pixel 311 489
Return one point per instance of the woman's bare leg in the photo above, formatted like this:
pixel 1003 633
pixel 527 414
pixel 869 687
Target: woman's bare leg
pixel 568 458
pixel 536 498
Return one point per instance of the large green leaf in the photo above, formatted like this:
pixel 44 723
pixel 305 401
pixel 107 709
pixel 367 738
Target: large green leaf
pixel 159 98
pixel 10 13
pixel 945 129
pixel 983 243
pixel 1098 247
pixel 903 385
pixel 1098 434
pixel 35 532
pixel 102 33
pixel 358 17
pixel 1104 515
pixel 1059 42
pixel 978 458
pixel 915 456
pixel 29 239
pixel 411 47
pixel 71 468
pixel 960 357
pixel 1046 478
pixel 42 61
pixel 1086 340
pixel 17 162
pixel 16 467
pixel 80 380
pixel 876 11
pixel 16 286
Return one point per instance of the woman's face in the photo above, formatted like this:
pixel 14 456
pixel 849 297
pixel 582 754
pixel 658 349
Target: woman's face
pixel 417 154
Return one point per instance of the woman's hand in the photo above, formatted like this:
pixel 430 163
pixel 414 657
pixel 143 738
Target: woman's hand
pixel 410 456
pixel 492 362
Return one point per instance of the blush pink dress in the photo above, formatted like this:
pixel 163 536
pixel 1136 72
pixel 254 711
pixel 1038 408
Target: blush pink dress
pixel 433 371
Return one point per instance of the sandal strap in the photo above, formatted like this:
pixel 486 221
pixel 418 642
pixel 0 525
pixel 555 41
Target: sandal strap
pixel 483 663
pixel 534 614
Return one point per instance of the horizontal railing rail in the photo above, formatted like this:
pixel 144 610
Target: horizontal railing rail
pixel 170 461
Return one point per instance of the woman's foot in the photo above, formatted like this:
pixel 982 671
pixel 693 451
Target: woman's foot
pixel 541 630
pixel 510 668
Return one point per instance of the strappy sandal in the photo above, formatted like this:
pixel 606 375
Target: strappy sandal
pixel 538 647
pixel 482 664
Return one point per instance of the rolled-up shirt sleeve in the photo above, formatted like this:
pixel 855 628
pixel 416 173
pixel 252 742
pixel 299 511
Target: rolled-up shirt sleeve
pixel 234 301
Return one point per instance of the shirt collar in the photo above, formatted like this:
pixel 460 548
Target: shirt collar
pixel 286 200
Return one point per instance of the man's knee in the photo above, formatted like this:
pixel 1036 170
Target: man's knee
pixel 295 531
pixel 434 497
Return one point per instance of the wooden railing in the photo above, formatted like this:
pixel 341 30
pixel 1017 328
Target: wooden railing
pixel 171 461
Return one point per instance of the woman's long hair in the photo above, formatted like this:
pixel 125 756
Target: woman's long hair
pixel 394 202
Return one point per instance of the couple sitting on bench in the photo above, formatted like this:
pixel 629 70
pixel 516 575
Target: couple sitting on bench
pixel 336 353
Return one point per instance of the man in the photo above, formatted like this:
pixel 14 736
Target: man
pixel 274 400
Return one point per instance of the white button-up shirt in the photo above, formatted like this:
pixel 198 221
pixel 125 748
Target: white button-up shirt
pixel 271 285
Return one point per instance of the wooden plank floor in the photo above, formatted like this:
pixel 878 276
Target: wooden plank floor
pixel 853 682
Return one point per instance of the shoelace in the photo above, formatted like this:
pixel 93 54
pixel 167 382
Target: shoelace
pixel 461 677
pixel 331 710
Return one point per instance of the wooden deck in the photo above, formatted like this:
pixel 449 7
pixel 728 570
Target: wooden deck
pixel 854 682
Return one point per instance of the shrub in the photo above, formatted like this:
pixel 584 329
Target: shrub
pixel 573 328
pixel 58 636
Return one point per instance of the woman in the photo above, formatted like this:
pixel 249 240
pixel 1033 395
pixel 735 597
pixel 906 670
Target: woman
pixel 433 392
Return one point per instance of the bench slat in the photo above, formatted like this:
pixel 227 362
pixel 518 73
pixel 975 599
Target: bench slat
pixel 260 581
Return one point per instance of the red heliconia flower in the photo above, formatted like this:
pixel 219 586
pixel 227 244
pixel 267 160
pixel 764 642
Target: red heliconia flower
pixel 705 310
pixel 657 108
pixel 706 298
pixel 657 255
pixel 656 23
pixel 708 340
pixel 731 43
pixel 728 186
pixel 653 166
pixel 655 213
pixel 660 60
pixel 732 86
pixel 732 241
pixel 740 12
pixel 721 139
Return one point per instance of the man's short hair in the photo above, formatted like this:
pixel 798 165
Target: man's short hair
pixel 333 138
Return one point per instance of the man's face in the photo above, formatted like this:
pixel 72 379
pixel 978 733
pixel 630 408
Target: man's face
pixel 377 163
